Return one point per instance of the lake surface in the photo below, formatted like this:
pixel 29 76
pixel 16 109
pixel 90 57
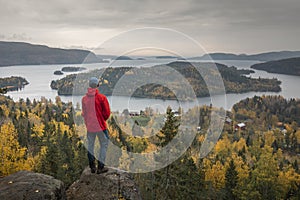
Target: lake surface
pixel 40 77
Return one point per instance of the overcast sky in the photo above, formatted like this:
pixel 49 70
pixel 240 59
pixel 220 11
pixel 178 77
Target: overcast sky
pixel 237 26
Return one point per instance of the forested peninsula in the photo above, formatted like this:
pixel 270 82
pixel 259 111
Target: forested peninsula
pixel 289 66
pixel 234 80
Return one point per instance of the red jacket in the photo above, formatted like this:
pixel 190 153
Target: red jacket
pixel 95 110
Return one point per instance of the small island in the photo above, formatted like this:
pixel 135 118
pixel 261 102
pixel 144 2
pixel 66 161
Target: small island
pixel 123 58
pixel 166 57
pixel 73 69
pixel 58 72
pixel 234 80
pixel 12 83
pixel 289 66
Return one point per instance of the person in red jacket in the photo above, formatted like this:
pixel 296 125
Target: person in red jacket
pixel 95 111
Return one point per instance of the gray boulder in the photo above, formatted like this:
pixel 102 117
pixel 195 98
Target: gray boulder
pixel 28 185
pixel 114 184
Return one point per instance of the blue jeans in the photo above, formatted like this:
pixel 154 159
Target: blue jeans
pixel 103 139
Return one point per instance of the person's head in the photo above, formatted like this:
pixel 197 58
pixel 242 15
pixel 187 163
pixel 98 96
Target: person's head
pixel 93 82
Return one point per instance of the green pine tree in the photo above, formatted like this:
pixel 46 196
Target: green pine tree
pixel 169 130
pixel 231 180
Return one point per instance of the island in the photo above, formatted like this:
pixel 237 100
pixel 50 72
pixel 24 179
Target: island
pixel 234 80
pixel 123 58
pixel 289 66
pixel 73 69
pixel 12 83
pixel 58 72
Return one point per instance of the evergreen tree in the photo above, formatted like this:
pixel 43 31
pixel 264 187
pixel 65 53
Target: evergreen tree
pixel 49 164
pixel 231 180
pixel 181 179
pixel 169 130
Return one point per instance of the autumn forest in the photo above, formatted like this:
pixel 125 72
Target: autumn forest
pixel 257 161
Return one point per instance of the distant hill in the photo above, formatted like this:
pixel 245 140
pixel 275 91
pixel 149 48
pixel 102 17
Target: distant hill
pixel 20 53
pixel 166 57
pixel 269 56
pixel 221 56
pixel 289 66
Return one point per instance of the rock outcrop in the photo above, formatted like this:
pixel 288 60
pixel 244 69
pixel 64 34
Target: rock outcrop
pixel 114 184
pixel 31 186
pixel 26 185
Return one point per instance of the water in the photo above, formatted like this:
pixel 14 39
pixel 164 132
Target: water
pixel 40 77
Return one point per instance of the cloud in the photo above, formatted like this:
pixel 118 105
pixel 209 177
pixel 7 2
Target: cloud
pixel 15 37
pixel 116 14
pixel 210 20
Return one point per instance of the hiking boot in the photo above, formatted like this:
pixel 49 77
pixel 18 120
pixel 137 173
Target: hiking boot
pixel 93 170
pixel 102 170
pixel 92 167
